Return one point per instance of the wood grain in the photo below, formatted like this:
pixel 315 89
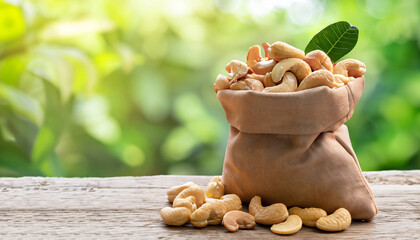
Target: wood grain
pixel 128 207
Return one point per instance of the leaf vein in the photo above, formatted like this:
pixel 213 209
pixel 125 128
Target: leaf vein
pixel 335 43
pixel 327 38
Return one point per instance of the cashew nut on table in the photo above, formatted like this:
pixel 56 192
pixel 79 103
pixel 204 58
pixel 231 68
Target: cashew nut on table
pixel 215 188
pixel 191 198
pixel 230 201
pixel 292 224
pixel 236 219
pixel 338 221
pixel 268 74
pixel 185 200
pixel 191 204
pixel 210 213
pixel 309 216
pixel 275 213
pixel 175 216
pixel 174 191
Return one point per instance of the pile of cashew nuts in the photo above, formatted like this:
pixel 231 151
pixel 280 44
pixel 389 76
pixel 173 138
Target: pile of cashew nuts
pixel 287 69
pixel 191 204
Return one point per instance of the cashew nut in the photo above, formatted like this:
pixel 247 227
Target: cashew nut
pixel 174 191
pixel 236 219
pixel 236 70
pixel 297 66
pixel 350 68
pixel 256 76
pixel 254 205
pixel 338 79
pixel 215 188
pixel 280 50
pixel 231 202
pixel 239 85
pixel 318 60
pixel 338 221
pixel 319 78
pixel 175 216
pixel 191 198
pixel 254 56
pixel 257 64
pixel 263 67
pixel 290 226
pixel 254 84
pixel 272 214
pixel 342 79
pixel 268 81
pixel 209 214
pixel 289 84
pixel 265 47
pixel 221 82
pixel 309 216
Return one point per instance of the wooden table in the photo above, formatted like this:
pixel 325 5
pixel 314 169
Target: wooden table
pixel 128 207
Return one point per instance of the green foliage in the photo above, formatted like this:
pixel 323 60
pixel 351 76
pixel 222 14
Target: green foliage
pixel 11 22
pixel 106 88
pixel 336 40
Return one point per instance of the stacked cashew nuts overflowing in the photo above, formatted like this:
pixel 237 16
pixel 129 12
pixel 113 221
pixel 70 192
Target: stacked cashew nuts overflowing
pixel 287 69
pixel 191 204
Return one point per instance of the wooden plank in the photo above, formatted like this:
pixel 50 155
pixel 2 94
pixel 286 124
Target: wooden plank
pixel 393 177
pixel 128 207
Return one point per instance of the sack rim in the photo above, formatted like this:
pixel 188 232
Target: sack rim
pixel 314 110
pixel 298 93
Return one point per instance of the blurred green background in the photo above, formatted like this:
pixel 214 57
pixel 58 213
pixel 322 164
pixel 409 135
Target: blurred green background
pixel 107 88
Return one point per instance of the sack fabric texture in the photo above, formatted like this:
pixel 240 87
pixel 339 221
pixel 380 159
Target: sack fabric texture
pixel 294 148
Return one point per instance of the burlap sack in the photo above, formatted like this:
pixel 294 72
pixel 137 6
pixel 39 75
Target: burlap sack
pixel 293 148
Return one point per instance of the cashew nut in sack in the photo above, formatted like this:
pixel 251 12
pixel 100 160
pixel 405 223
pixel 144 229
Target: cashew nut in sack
pixel 295 65
pixel 350 68
pixel 289 84
pixel 317 79
pixel 318 60
pixel 280 50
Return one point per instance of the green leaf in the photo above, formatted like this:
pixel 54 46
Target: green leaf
pixel 336 40
pixel 22 129
pixel 21 103
pixel 14 161
pixel 22 116
pixel 57 116
pixel 12 24
pixel 43 145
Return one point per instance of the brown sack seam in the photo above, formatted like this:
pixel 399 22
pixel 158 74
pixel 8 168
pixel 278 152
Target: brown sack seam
pixel 352 101
pixel 361 179
pixel 351 104
pixel 343 119
pixel 232 167
pixel 366 184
